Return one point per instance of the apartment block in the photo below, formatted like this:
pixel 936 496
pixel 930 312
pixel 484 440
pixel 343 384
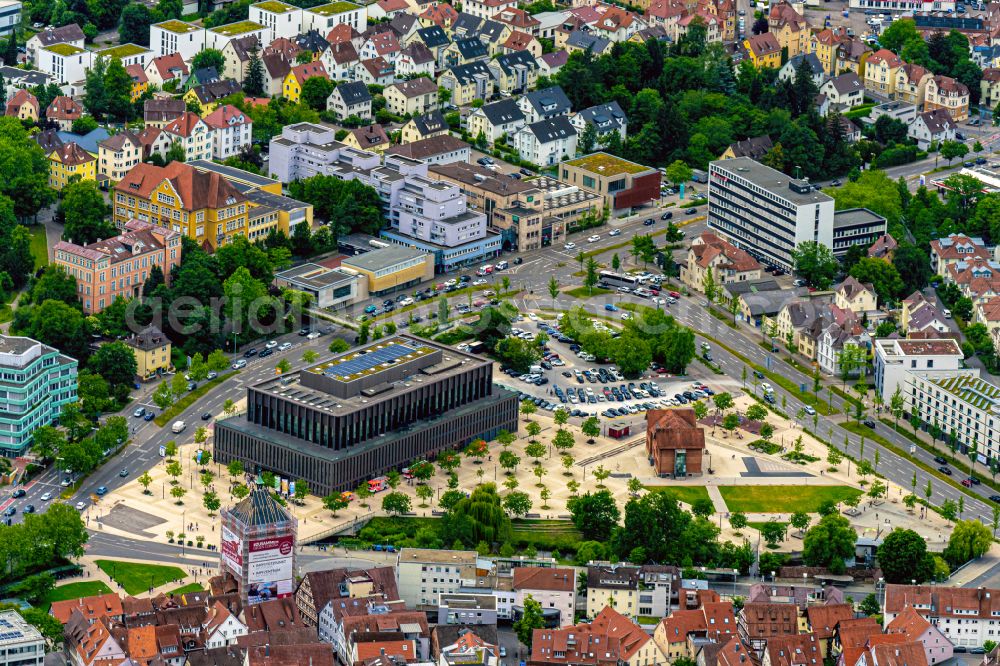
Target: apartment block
pixel 894 359
pixel 765 212
pixel 21 644
pixel 176 36
pixel 422 574
pixel 967 616
pixel 118 266
pixel 962 404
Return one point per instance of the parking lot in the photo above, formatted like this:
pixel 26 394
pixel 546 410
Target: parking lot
pixel 571 379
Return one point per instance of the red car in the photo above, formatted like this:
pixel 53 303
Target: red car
pixel 967 483
pixel 675 294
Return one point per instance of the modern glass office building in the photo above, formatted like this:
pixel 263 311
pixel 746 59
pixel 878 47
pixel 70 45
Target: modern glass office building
pixel 36 381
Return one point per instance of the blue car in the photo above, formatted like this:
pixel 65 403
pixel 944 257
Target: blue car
pixel 103 490
pixel 370 309
pixel 611 307
pixel 149 416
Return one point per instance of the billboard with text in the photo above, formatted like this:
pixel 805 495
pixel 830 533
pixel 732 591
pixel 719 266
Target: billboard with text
pixel 271 559
pixel 232 551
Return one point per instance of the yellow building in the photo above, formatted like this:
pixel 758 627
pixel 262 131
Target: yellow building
pixel 291 88
pixel 70 162
pixel 824 44
pixel 152 352
pixel 202 205
pixel 790 28
pixel 880 72
pixel 269 209
pixel 764 50
pixel 858 297
pixel 117 154
pixel 140 82
pixel 391 268
pixel 424 127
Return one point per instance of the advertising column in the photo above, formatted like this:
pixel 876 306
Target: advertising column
pixel 269 574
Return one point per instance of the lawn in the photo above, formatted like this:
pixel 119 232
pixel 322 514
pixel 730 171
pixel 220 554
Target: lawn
pixel 560 535
pixel 686 494
pixel 75 591
pixel 783 499
pixel 39 246
pixel 138 577
pixel 584 292
pixel 191 587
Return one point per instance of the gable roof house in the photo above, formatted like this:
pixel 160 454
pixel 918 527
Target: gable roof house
pixel 605 119
pixel 423 127
pixel 350 99
pixel 496 119
pixel 844 91
pixel 755 148
pixel 515 72
pixel 163 69
pixel 546 142
pixel 932 126
pixel 543 104
pixel 416 59
pixel 63 111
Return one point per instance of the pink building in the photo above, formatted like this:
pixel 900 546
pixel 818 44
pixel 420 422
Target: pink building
pixel 119 266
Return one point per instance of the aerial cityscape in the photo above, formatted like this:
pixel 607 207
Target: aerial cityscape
pixel 499 333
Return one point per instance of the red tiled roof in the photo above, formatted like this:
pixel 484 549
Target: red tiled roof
pixel 197 189
pixel 537 578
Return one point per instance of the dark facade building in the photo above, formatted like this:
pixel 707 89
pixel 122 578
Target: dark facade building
pixel 365 412
pixel 675 442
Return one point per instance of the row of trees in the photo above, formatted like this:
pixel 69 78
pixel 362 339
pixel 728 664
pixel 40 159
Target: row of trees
pixel 649 335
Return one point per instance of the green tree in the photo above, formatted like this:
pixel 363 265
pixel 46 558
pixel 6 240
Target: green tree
pixel 531 619
pixel 815 263
pixel 903 557
pixel 209 58
pixel 396 503
pixel 595 514
pixel 517 503
pixel 253 82
pixel 478 517
pixel 85 213
pixel 882 275
pixel 969 540
pixel 829 543
pixel 678 172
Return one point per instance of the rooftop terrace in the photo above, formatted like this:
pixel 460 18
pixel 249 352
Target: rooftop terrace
pixel 607 165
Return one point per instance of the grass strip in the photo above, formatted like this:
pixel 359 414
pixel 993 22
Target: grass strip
pixel 955 460
pixel 584 292
pixel 865 432
pixel 190 587
pixel 87 588
pixel 190 399
pixel 778 499
pixel 136 577
pixel 686 494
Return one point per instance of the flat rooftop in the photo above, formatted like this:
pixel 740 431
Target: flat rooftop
pixel 275 7
pixel 232 173
pixel 975 391
pixel 438 556
pixel 122 51
pixel 855 217
pixel 14 630
pixel 238 28
pixel 276 201
pixel 179 27
pixel 935 347
pixel 481 177
pixel 370 360
pixel 605 164
pixel 333 8
pixel 316 276
pixel 772 180
pixel 381 259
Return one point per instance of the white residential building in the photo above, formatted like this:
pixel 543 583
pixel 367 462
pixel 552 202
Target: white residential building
pixel 487 9
pixel 894 359
pixel 546 142
pixel 10 16
pixel 967 616
pixel 21 644
pixel 222 628
pixel 324 17
pixel 552 587
pixel 282 19
pixel 961 404
pixel 193 134
pixel 231 131
pixel 423 574
pixel 217 38
pixel 176 37
pixel 65 63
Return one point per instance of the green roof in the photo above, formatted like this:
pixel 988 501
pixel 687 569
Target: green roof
pixel 606 164
pixel 239 28
pixel 122 51
pixel 274 6
pixel 975 391
pixel 334 8
pixel 177 26
pixel 64 49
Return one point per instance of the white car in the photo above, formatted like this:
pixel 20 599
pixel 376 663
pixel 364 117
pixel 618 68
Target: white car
pixel 532 316
pixel 271 344
pixel 478 283
pixel 615 232
pixel 80 506
pixel 808 409
pixel 240 363
pixel 46 497
pixel 284 346
pixel 313 335
pixel 570 246
pixel 626 316
pixel 406 301
pixel 594 239
pixel 765 387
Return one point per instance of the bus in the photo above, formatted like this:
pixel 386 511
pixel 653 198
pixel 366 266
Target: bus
pixel 614 280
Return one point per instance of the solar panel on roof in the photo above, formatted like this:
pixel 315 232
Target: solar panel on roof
pixel 372 358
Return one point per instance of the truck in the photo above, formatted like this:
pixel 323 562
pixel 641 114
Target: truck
pixel 178 426
pixel 378 484
pixel 699 176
